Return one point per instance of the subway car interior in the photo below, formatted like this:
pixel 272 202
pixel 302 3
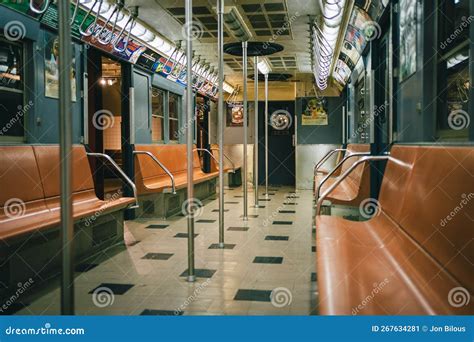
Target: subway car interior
pixel 236 157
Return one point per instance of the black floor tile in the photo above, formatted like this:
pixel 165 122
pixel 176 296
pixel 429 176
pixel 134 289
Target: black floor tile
pixel 253 295
pixel 205 221
pixel 238 229
pixel 13 308
pixel 239 196
pixel 158 226
pixel 149 312
pixel 200 273
pixel 217 210
pixel 267 260
pixel 259 207
pixel 117 289
pixel 183 235
pixel 85 267
pixel 265 199
pixel 287 212
pixel 290 197
pixel 157 256
pixel 314 276
pixel 231 202
pixel 313 248
pixel 250 216
pixel 226 246
pixel 291 203
pixel 269 194
pixel 287 223
pixel 276 238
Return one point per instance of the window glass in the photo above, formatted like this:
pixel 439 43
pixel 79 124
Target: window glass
pixel 454 22
pixel 158 115
pixel 173 116
pixel 11 90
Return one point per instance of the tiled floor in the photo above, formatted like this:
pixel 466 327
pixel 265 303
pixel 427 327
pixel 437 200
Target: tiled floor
pixel 149 277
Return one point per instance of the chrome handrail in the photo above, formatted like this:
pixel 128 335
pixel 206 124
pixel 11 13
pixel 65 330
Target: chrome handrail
pixel 41 10
pixel 226 157
pixel 208 152
pixel 344 176
pixel 84 20
pixel 116 11
pixel 133 14
pixel 156 160
pixel 333 171
pixel 122 173
pixel 326 157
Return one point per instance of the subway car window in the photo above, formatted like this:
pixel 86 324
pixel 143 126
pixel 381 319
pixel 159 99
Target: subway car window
pixel 12 117
pixel 309 161
pixel 158 115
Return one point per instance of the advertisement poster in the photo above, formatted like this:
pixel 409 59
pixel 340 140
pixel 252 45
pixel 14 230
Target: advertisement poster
pixel 407 39
pixel 315 112
pixel 235 115
pixel 24 6
pixel 51 70
pixel 50 19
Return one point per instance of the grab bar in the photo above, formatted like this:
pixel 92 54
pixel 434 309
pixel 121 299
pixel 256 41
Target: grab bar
pixel 226 157
pixel 74 13
pixel 344 176
pixel 326 157
pixel 123 174
pixel 357 154
pixel 132 21
pixel 152 156
pixel 46 4
pixel 84 20
pixel 118 7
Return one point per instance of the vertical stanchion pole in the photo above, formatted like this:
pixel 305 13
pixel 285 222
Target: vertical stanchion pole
pixel 65 151
pixel 255 147
pixel 189 138
pixel 244 176
pixel 220 116
pixel 266 135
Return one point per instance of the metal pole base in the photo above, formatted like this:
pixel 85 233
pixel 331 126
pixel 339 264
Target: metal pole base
pixel 191 279
pixel 221 245
pixel 245 218
pixel 258 206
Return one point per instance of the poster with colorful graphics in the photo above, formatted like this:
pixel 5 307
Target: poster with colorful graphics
pixel 407 38
pixel 315 112
pixel 235 115
pixel 24 6
pixel 51 69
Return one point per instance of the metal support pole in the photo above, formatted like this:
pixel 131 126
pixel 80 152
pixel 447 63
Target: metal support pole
pixel 266 135
pixel 255 147
pixel 244 171
pixel 189 138
pixel 220 116
pixel 65 151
